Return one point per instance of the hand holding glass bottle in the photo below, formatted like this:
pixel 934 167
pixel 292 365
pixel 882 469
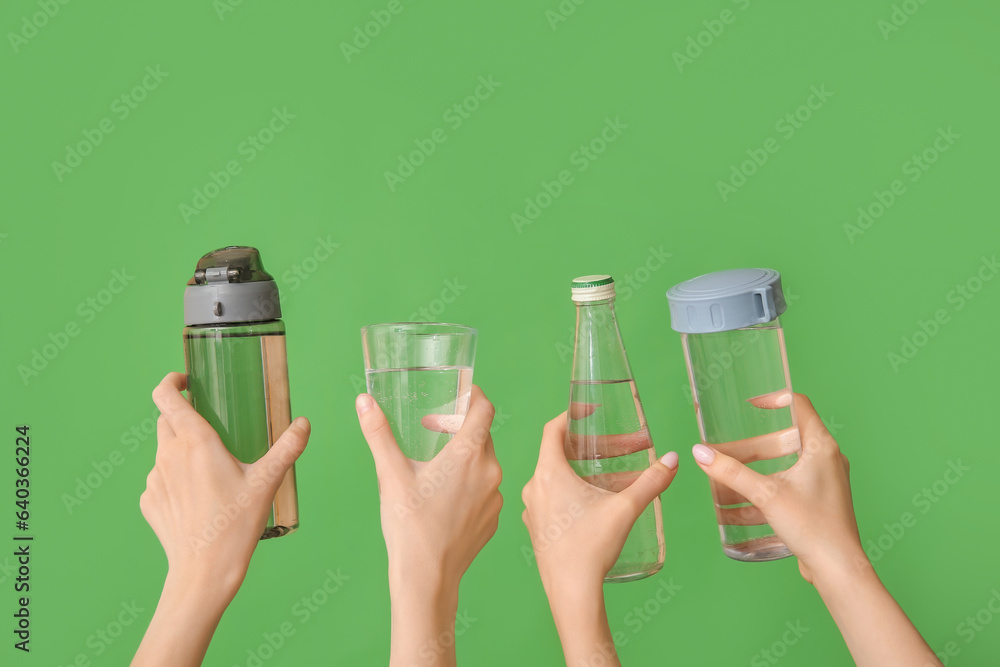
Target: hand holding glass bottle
pixel 578 531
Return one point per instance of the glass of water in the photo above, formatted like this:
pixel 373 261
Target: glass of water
pixel 417 369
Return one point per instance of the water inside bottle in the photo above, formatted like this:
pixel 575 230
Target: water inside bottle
pixel 608 444
pixel 407 395
pixel 729 371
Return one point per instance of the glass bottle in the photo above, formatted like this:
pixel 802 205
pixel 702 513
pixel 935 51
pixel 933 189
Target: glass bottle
pixel 607 440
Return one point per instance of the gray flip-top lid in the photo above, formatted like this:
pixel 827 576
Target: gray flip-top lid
pixel 726 300
pixel 230 286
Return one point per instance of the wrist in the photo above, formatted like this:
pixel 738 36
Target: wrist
pixel 573 599
pixel 843 571
pixel 412 579
pixel 196 590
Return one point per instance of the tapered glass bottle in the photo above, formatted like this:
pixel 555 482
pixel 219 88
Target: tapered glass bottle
pixel 607 440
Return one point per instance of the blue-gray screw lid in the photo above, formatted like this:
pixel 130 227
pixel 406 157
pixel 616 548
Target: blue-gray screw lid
pixel 726 300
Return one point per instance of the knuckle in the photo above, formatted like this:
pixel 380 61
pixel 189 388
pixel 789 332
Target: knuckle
pixel 496 475
pixel 527 492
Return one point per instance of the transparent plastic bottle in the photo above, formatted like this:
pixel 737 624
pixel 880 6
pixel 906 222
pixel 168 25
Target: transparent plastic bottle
pixel 608 442
pixel 234 353
pixel 741 388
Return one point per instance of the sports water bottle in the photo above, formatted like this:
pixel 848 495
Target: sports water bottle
pixel 234 353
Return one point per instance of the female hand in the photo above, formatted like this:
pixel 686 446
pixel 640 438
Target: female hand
pixel 208 510
pixel 578 530
pixel 809 505
pixel 436 517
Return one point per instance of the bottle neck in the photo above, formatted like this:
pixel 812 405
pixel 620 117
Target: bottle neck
pixel 599 353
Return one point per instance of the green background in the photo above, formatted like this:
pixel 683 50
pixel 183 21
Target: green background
pixel 854 299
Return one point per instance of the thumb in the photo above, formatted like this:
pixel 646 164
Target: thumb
pixel 389 459
pixel 651 483
pixel 729 472
pixel 283 453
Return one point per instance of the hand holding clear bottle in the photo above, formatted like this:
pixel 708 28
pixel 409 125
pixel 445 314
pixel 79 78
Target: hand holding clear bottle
pixel 208 509
pixel 436 517
pixel 577 532
pixel 809 506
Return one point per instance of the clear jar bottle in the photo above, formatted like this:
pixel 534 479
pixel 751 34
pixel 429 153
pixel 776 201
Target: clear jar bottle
pixel 737 365
pixel 607 440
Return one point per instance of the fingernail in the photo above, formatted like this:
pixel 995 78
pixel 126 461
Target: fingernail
pixel 363 404
pixel 301 422
pixel 703 454
pixel 772 400
pixel 669 459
